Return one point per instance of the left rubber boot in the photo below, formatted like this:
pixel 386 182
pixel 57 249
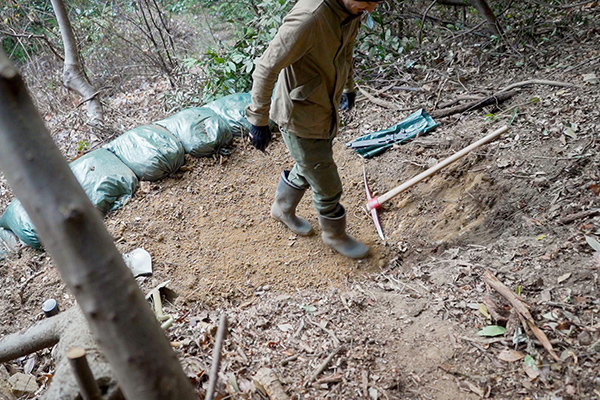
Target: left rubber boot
pixel 287 197
pixel 334 235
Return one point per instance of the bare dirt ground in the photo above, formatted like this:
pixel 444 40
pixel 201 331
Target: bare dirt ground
pixel 403 322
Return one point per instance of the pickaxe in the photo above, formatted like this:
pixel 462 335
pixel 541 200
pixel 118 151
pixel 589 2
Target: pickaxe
pixel 373 203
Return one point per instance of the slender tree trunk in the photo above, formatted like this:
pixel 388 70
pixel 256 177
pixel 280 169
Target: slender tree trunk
pixel 486 12
pixel 73 232
pixel 74 77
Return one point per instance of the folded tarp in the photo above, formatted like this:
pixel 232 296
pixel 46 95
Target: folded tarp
pixel 201 131
pixel 150 151
pixel 418 122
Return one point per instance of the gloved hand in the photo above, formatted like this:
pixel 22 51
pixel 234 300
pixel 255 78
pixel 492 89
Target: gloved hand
pixel 347 102
pixel 260 136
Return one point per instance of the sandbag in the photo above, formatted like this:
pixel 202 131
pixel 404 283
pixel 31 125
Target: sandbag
pixel 15 219
pixel 232 109
pixel 107 181
pixel 150 151
pixel 201 131
pixel 9 243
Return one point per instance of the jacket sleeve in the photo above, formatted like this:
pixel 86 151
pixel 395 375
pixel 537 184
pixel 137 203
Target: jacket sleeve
pixel 291 42
pixel 349 87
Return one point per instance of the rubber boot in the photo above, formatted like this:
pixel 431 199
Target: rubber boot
pixel 334 235
pixel 287 197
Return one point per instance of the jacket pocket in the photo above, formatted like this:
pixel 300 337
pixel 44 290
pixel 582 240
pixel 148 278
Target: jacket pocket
pixel 303 91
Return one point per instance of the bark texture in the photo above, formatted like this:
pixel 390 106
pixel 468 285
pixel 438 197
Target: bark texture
pixel 74 77
pixel 73 232
pixel 486 12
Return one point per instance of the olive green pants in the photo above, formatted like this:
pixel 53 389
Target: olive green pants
pixel 316 169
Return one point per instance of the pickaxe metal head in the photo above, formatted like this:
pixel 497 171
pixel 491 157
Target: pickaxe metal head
pixel 372 206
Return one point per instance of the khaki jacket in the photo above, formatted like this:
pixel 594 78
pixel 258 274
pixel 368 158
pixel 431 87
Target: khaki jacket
pixel 310 58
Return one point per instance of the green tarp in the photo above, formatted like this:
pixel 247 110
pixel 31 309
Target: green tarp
pixel 418 122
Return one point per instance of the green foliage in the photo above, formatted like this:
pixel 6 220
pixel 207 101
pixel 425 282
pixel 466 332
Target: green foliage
pixel 83 146
pixel 379 43
pixel 34 18
pixel 228 68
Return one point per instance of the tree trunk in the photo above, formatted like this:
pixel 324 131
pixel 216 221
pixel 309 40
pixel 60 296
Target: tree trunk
pixel 486 12
pixel 74 77
pixel 73 232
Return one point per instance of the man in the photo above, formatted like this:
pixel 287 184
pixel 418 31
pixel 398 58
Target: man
pixel 310 59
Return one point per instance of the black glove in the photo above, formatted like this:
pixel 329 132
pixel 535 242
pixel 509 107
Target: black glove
pixel 260 136
pixel 347 102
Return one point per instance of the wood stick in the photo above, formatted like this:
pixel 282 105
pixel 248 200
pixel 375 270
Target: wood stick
pixel 41 335
pixel 493 99
pixel 214 371
pixel 522 308
pixel 536 82
pixel 323 365
pixel 81 369
pixel 583 214
pixel 383 103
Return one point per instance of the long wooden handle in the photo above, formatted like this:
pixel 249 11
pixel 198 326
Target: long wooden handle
pixel 378 201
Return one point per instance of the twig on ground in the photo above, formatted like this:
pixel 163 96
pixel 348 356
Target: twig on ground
pixel 523 309
pixel 574 217
pixel 336 341
pixel 214 371
pixel 323 365
pixel 383 103
pixel 536 82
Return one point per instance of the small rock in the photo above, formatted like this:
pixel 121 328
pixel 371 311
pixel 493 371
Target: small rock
pixel 22 384
pixel 5 392
pixel 584 338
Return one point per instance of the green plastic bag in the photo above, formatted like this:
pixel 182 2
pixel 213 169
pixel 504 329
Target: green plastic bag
pixel 9 243
pixel 418 122
pixel 232 109
pixel 107 181
pixel 15 219
pixel 150 151
pixel 201 131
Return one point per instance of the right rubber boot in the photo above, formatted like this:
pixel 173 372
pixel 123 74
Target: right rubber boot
pixel 287 197
pixel 334 235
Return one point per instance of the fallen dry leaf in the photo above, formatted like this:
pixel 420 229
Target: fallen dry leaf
pixel 510 355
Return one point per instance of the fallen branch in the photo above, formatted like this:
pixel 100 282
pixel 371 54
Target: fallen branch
pixel 323 365
pixel 214 371
pixel 574 217
pixel 65 330
pixel 39 336
pixel 536 82
pixel 522 308
pixel 494 99
pixel 382 103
